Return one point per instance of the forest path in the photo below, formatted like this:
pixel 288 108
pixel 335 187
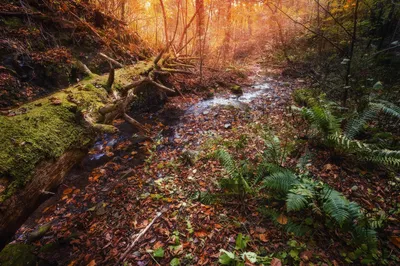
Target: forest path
pixel 125 181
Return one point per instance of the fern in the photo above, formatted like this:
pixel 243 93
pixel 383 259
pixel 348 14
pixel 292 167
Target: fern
pixel 388 108
pixel 322 119
pixel 226 161
pixel 299 196
pixel 295 202
pixel 335 205
pixel 385 156
pixel 355 125
pixel 281 181
pixel 265 168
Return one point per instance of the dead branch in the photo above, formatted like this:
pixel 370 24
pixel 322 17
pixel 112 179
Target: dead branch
pixel 177 71
pixel 110 80
pixel 137 238
pixel 160 86
pixel 107 109
pixel 115 62
pixel 82 67
pixel 124 90
pixel 135 123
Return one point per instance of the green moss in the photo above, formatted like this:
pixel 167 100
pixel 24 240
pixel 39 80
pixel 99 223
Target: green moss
pixel 17 255
pixel 46 128
pixel 236 88
pixel 44 131
pixel 13 22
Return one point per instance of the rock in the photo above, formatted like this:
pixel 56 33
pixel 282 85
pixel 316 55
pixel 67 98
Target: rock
pixel 354 188
pixel 227 126
pixel 206 112
pixel 18 255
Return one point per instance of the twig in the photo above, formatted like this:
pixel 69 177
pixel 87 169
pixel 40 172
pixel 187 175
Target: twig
pixel 122 258
pixel 47 192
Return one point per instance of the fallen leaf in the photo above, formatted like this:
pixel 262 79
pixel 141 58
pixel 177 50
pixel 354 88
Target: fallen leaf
pixel 67 191
pixel 263 237
pixel 395 241
pixel 200 234
pixel 282 219
pixel 276 262
pixel 306 255
pixel 92 263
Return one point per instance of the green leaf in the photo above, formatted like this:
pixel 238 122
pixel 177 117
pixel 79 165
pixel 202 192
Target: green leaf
pixel 189 227
pixel 378 86
pixel 159 253
pixel 250 256
pixel 241 241
pixel 226 258
pixel 294 253
pixel 175 262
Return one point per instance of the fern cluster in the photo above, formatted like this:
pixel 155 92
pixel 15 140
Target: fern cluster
pixel 236 182
pixel 303 193
pixel 321 117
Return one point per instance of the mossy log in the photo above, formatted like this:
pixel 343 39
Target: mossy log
pixel 43 139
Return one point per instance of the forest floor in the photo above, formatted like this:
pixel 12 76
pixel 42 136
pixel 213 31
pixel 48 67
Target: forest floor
pixel 127 180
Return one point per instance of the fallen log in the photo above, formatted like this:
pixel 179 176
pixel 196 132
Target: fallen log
pixel 43 139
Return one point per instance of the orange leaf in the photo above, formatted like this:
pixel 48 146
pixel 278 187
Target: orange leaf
pixel 157 245
pixel 276 262
pixel 72 263
pixel 263 237
pixel 282 219
pixel 67 191
pixel 92 263
pixel 200 234
pixel 395 241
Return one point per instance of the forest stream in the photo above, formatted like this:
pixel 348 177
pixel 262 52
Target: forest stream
pixel 183 125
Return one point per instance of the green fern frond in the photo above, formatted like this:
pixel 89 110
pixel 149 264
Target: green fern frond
pixel 297 229
pixel 226 161
pixel 322 119
pixel 299 196
pixel 281 181
pixel 265 168
pixel 355 125
pixel 388 108
pixel 364 236
pixel 354 210
pixel 295 202
pixel 385 156
pixel 335 205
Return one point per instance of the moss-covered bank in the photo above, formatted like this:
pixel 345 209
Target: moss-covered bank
pixel 46 128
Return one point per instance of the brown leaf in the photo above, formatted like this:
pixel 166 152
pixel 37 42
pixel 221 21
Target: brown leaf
pixel 395 241
pixel 327 167
pixel 67 191
pixel 92 263
pixel 306 255
pixel 276 262
pixel 263 237
pixel 200 233
pixel 282 219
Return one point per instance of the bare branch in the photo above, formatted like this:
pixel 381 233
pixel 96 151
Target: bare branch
pixel 115 62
